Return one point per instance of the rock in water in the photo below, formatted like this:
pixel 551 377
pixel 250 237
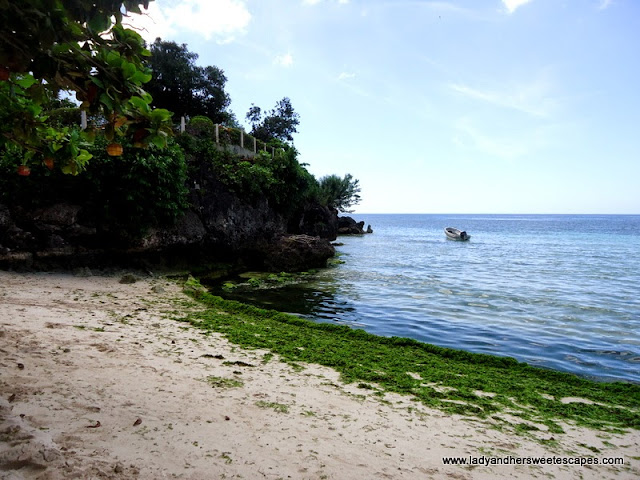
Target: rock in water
pixel 291 253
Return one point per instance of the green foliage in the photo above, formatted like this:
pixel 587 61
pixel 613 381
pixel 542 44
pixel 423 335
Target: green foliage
pixel 124 195
pixel 72 45
pixel 150 126
pixel 62 112
pixel 27 132
pixel 231 136
pixel 229 120
pixel 280 123
pixel 181 86
pixel 140 189
pixel 280 179
pixel 248 141
pixel 251 179
pixel 295 186
pixel 81 47
pixel 37 35
pixel 339 193
pixel 201 126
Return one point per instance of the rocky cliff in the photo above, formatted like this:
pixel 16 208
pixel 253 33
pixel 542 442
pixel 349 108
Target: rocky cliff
pixel 218 227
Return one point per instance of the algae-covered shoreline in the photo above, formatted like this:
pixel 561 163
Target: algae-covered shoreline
pixel 451 380
pixel 100 380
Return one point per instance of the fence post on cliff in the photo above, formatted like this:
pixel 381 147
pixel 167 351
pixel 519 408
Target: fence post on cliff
pixel 241 138
pixel 182 124
pixel 83 120
pixel 217 134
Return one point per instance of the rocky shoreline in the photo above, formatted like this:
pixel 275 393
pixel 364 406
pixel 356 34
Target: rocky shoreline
pixel 216 229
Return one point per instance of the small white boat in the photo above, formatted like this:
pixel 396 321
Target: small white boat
pixel 455 234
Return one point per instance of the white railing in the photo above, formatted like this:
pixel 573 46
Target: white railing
pixel 244 143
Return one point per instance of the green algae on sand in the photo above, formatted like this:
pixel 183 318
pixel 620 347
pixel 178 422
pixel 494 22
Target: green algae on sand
pixel 451 380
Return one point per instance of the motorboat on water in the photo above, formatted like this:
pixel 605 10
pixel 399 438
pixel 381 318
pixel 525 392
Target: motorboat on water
pixel 455 234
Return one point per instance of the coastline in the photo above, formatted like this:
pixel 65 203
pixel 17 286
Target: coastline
pixel 81 350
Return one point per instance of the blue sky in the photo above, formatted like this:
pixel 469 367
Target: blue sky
pixel 461 106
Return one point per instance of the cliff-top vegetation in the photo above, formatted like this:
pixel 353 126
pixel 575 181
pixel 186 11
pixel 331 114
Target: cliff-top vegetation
pixel 130 166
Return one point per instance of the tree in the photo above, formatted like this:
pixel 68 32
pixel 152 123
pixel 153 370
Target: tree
pixel 78 46
pixel 230 120
pixel 339 193
pixel 280 123
pixel 179 85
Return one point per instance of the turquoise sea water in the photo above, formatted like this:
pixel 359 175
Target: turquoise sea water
pixel 559 291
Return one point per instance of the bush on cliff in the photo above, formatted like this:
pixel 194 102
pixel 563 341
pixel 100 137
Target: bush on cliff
pixel 339 193
pixel 140 189
pixel 280 179
pixel 124 195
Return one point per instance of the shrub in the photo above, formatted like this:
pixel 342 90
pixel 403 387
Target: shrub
pixel 280 179
pixel 339 193
pixel 124 195
pixel 200 126
pixel 249 179
pixel 138 190
pixel 234 136
pixel 295 186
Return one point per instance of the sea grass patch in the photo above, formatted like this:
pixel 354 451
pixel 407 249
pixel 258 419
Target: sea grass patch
pixel 451 380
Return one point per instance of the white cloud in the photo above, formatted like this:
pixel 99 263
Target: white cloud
pixel 512 5
pixel 346 75
pixel 315 2
pixel 285 60
pixel 151 24
pixel 220 19
pixel 532 98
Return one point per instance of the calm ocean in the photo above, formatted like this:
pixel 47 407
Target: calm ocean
pixel 559 291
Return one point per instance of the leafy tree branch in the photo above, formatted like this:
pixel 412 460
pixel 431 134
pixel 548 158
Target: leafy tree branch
pixel 78 46
pixel 183 87
pixel 279 123
pixel 339 193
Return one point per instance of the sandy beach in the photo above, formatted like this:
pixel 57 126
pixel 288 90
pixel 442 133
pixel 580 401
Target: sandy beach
pixel 98 380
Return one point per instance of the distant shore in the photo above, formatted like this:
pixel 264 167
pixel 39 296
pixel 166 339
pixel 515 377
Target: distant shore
pixel 100 380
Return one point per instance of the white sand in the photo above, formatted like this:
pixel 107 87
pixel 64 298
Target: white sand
pixel 75 351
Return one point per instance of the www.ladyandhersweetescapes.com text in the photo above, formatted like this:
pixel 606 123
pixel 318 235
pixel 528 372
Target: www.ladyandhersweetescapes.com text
pixel 511 460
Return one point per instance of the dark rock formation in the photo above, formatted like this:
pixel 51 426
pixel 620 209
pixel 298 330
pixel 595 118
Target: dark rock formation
pixel 292 253
pixel 5 217
pixel 57 216
pixel 318 221
pixel 232 224
pixel 348 226
pixel 188 230
pixel 219 227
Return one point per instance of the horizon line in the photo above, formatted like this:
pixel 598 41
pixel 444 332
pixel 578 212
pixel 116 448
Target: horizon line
pixel 486 213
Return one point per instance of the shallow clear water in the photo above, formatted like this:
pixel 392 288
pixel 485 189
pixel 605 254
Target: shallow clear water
pixel 558 291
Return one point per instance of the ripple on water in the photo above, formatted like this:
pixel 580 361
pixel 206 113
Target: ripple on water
pixel 555 291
